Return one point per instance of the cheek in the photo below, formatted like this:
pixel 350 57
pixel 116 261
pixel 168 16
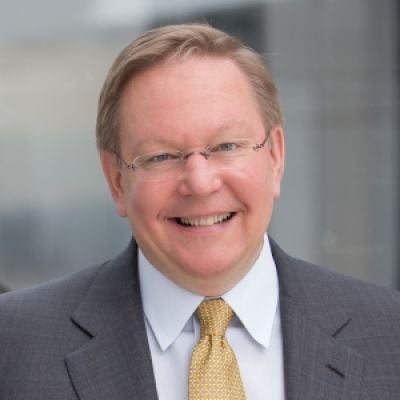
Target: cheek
pixel 141 215
pixel 146 202
pixel 256 189
pixel 140 201
pixel 254 181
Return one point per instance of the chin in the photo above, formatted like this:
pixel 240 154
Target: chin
pixel 208 270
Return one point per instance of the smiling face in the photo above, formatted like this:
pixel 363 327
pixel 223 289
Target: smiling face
pixel 203 229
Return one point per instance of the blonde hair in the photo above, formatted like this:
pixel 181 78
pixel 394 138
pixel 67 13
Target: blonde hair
pixel 176 42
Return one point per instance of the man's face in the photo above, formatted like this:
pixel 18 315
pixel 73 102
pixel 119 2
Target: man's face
pixel 187 105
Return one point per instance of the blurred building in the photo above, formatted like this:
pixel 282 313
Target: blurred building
pixel 3 289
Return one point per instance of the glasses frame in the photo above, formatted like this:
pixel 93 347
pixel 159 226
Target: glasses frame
pixel 206 153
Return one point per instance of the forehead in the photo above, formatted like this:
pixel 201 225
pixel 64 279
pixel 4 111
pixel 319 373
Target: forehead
pixel 197 95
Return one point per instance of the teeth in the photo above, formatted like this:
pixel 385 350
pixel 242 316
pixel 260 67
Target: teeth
pixel 205 221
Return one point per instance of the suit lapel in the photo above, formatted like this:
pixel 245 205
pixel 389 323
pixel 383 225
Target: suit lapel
pixel 317 365
pixel 115 361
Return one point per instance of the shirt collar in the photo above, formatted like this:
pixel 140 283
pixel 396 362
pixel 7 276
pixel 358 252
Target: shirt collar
pixel 254 299
pixel 160 297
pixel 255 294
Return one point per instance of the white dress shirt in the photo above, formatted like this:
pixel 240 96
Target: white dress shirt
pixel 254 332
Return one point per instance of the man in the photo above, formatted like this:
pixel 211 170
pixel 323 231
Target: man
pixel 192 146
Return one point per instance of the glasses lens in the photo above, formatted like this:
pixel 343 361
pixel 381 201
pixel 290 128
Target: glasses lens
pixel 158 175
pixel 231 154
pixel 159 166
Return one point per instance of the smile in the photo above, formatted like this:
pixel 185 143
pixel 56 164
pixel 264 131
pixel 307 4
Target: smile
pixel 205 221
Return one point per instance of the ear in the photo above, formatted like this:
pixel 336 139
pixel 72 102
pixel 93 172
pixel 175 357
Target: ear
pixel 113 174
pixel 276 148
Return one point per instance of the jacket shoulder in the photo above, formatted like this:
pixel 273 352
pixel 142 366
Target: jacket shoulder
pixel 55 298
pixel 61 296
pixel 319 291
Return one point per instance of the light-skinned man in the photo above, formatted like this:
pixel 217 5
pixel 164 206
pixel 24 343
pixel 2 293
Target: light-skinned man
pixel 192 146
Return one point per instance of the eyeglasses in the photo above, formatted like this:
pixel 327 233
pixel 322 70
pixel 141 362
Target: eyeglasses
pixel 165 165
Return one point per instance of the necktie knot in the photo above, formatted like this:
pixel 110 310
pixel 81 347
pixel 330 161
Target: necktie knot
pixel 214 373
pixel 214 316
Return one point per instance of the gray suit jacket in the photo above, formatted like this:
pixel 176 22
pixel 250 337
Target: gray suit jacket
pixel 83 336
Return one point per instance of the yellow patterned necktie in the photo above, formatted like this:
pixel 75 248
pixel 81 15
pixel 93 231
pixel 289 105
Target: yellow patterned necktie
pixel 214 373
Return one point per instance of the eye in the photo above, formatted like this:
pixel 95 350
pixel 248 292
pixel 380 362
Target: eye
pixel 231 146
pixel 228 147
pixel 156 160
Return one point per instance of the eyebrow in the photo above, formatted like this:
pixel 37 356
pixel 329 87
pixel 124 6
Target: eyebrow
pixel 161 141
pixel 233 124
pixel 158 141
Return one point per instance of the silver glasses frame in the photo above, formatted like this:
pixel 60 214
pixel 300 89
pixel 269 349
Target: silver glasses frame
pixel 182 157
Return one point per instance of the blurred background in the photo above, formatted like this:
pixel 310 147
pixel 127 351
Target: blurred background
pixel 336 64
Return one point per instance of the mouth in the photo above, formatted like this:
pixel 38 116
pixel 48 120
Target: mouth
pixel 205 221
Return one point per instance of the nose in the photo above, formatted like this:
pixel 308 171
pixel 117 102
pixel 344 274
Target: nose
pixel 199 178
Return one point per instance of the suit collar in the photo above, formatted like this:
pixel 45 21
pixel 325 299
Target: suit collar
pixel 114 286
pixel 317 364
pixel 115 362
pixel 319 301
